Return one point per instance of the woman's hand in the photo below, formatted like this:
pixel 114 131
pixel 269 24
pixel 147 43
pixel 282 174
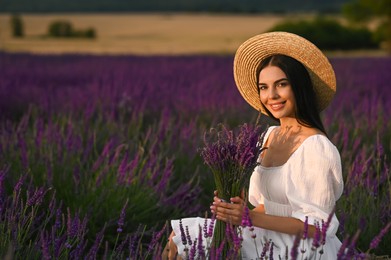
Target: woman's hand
pixel 230 212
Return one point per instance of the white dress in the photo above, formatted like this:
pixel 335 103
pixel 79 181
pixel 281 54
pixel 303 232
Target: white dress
pixel 308 184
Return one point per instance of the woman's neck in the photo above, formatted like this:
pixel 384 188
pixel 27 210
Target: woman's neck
pixel 292 127
pixel 290 123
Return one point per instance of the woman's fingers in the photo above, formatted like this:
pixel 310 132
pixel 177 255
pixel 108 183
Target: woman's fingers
pixel 224 215
pixel 237 200
pixel 228 211
pixel 216 199
pixel 236 205
pixel 231 212
pixel 223 208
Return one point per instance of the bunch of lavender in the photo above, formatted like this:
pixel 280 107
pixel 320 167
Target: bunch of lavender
pixel 231 156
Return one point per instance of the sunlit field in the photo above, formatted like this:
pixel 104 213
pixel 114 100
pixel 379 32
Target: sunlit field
pixel 98 152
pixel 139 33
pixel 147 34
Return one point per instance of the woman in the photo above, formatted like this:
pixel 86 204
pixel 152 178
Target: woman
pixel 299 178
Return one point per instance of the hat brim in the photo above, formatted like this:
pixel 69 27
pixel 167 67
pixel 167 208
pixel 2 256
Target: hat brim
pixel 253 51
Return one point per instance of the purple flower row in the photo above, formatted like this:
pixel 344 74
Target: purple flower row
pixel 71 118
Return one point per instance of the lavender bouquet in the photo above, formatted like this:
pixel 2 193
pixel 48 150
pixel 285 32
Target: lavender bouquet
pixel 232 156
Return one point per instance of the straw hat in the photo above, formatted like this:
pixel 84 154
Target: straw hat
pixel 250 54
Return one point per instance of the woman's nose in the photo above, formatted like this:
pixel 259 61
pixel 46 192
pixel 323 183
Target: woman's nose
pixel 273 94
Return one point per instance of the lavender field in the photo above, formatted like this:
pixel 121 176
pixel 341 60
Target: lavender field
pixel 98 152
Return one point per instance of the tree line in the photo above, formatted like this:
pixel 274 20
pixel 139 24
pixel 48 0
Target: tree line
pixel 231 6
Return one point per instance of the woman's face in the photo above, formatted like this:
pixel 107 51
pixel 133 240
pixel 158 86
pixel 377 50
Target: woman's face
pixel 276 93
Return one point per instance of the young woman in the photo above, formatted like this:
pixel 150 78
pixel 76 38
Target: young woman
pixel 299 178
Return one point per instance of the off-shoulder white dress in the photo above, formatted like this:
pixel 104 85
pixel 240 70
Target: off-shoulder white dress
pixel 308 184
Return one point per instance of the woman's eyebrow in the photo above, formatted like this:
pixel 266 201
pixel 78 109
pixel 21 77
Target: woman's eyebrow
pixel 275 82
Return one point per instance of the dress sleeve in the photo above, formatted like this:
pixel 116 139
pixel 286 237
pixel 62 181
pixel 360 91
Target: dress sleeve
pixel 315 182
pixel 254 193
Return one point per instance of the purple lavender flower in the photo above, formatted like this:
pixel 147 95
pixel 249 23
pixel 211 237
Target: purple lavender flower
pixel 233 236
pixel 189 241
pixel 271 256
pixel 155 240
pixel 232 158
pixel 316 239
pixel 201 250
pixel 376 240
pixel 45 246
pixel 121 220
pixel 265 249
pixel 58 243
pixel 305 232
pixel 95 247
pixel 253 235
pixel 117 153
pixel 134 242
pixel 246 221
pixel 105 152
pixel 205 227
pixel 37 197
pixel 347 249
pixel 211 225
pixel 193 250
pixel 122 169
pixel 75 227
pixel 212 253
pixel 325 227
pixel 19 184
pixel 295 248
pixel 164 179
pixel 23 152
pixel 2 177
pixel 183 235
pixel 220 249
pixel 69 223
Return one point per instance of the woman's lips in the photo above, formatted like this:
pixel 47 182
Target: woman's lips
pixel 276 106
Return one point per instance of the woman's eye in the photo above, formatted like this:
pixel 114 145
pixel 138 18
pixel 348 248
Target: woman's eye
pixel 262 87
pixel 283 84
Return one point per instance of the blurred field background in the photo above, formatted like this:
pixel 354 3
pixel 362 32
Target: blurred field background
pixel 141 33
pixel 154 33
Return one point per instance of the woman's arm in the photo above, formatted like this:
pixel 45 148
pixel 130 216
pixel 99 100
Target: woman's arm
pixel 287 225
pixel 260 208
pixel 233 213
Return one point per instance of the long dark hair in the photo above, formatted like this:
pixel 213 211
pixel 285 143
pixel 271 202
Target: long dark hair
pixel 307 112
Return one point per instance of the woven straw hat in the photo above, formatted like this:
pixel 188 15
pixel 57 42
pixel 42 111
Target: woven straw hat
pixel 250 54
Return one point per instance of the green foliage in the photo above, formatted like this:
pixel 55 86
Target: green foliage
pixel 361 11
pixel 329 34
pixel 382 32
pixel 365 204
pixel 76 157
pixel 17 26
pixel 81 159
pixel 243 6
pixel 60 29
pixel 358 11
pixel 90 33
pixel 65 29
